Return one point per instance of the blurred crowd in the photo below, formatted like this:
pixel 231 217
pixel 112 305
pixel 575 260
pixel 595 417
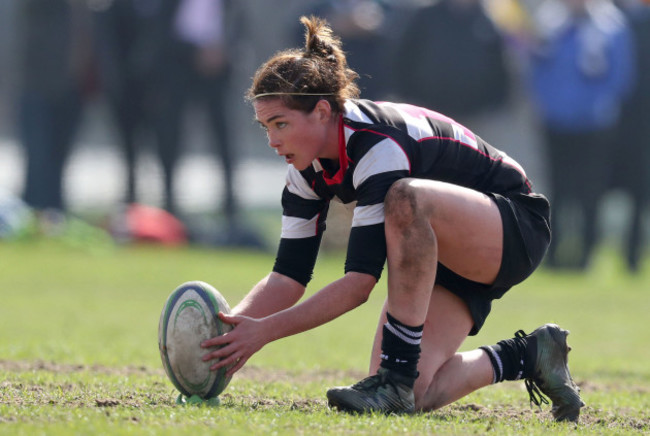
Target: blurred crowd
pixel 581 66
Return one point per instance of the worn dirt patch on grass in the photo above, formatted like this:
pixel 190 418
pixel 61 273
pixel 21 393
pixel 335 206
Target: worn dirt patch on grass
pixel 15 391
pixel 66 368
pixel 254 373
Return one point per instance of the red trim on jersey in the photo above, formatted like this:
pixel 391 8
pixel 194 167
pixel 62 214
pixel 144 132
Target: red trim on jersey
pixel 337 178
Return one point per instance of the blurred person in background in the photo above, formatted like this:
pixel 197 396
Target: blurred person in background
pixel 54 73
pixel 580 65
pixel 157 56
pixel 208 33
pixel 8 37
pixel 133 52
pixel 633 156
pixel 451 57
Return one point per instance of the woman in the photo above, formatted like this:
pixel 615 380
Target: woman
pixel 454 217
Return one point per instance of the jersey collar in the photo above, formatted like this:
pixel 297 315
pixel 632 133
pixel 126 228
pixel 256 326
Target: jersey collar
pixel 337 178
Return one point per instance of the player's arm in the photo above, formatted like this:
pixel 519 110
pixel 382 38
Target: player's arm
pixel 250 334
pixel 365 260
pixel 303 222
pixel 366 256
pixel 335 299
pixel 273 293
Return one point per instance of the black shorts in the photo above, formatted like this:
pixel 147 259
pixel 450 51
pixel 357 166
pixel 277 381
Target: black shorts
pixel 526 236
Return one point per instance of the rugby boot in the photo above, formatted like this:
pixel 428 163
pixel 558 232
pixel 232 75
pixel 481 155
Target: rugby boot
pixel 386 392
pixel 551 373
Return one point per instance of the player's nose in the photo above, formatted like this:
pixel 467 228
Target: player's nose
pixel 274 142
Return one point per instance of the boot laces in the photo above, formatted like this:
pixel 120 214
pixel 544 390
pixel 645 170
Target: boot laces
pixel 534 393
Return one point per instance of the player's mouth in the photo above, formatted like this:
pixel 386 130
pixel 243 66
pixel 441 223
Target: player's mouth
pixel 288 158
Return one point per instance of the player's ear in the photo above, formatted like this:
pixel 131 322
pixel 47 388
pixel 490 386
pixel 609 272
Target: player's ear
pixel 323 110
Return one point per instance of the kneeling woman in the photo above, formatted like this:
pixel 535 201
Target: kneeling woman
pixel 455 219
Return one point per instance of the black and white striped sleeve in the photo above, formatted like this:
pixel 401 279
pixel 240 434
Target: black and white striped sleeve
pixel 303 223
pixel 379 167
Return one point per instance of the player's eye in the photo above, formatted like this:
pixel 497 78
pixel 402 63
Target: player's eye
pixel 281 125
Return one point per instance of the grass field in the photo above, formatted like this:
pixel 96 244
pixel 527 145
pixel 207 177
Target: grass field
pixel 78 350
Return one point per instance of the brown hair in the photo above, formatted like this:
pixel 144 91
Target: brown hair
pixel 302 78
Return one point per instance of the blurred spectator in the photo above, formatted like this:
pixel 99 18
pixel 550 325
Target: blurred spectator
pixel 452 58
pixel 157 56
pixel 207 34
pixel 633 154
pixel 8 39
pixel 581 70
pixel 134 49
pixel 362 25
pixel 54 73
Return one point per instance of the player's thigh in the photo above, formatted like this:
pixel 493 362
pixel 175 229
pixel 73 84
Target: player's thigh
pixel 467 225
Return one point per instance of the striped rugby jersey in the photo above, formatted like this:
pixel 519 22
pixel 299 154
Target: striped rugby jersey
pixel 382 142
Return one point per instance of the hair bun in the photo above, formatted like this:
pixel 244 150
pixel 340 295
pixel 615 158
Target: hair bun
pixel 319 39
pixel 301 77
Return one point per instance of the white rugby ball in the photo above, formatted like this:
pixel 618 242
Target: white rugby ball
pixel 188 318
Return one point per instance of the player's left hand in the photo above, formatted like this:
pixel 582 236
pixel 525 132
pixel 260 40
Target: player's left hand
pixel 236 346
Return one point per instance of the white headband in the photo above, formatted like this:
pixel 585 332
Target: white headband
pixel 267 94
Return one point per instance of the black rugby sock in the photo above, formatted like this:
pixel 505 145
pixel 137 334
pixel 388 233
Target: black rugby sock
pixel 400 347
pixel 512 359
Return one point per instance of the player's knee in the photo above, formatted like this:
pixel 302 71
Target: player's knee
pixel 400 204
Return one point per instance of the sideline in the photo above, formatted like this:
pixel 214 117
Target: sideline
pixel 94 179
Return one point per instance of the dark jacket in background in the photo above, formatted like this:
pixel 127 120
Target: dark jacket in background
pixel 451 58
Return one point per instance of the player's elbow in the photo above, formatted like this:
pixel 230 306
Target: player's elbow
pixel 361 286
pixel 360 297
